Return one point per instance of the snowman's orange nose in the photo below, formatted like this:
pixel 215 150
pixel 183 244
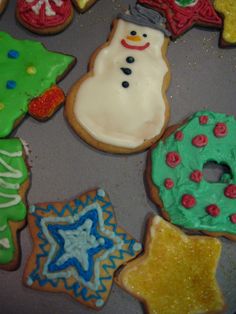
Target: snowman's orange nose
pixel 134 38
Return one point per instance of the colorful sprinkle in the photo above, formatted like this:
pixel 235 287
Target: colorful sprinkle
pixel 196 176
pixel 2 106
pixel 179 135
pixel 200 140
pixel 169 183
pixel 188 201
pixel 233 218
pixel 173 159
pixel 31 70
pixel 203 119
pixel 230 191
pixel 11 84
pixel 13 54
pixel 213 210
pixel 220 129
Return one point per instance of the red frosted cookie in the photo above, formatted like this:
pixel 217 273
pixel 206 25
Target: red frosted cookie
pixel 44 16
pixel 181 15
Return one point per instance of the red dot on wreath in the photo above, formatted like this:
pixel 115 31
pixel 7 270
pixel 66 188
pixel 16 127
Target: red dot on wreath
pixel 220 129
pixel 196 176
pixel 213 210
pixel 200 140
pixel 173 159
pixel 188 201
pixel 203 119
pixel 233 218
pixel 169 183
pixel 179 135
pixel 230 191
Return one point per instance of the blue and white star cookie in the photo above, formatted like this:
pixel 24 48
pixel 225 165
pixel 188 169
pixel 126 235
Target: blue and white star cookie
pixel 77 248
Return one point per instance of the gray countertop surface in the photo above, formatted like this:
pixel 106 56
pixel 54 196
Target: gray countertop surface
pixel 203 76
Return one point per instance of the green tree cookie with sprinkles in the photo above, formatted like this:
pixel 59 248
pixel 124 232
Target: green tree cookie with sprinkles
pixel 175 174
pixel 28 77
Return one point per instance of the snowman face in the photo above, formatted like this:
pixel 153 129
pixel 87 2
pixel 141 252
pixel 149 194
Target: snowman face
pixel 135 40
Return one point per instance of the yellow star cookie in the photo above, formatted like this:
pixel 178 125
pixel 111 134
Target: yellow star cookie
pixel 228 9
pixel 176 274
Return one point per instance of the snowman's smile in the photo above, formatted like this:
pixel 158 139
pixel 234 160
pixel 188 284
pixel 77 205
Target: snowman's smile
pixel 134 47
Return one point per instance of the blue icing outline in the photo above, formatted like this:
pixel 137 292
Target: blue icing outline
pixel 80 290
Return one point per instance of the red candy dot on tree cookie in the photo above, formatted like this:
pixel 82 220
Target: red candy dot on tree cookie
pixel 233 218
pixel 230 191
pixel 179 135
pixel 200 140
pixel 220 129
pixel 168 183
pixel 213 210
pixel 196 176
pixel 188 201
pixel 173 159
pixel 203 119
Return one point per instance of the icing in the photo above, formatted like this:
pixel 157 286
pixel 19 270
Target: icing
pixel 16 56
pixel 181 15
pixel 188 263
pixel 228 9
pixel 80 241
pixel 113 107
pixel 13 173
pixel 41 14
pixel 191 198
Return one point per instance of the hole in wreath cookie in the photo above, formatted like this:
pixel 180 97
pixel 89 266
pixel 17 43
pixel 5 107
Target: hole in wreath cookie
pixel 214 172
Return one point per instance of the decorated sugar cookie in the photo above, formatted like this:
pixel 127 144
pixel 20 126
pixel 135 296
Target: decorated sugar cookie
pixel 28 77
pixel 3 4
pixel 182 15
pixel 83 5
pixel 120 106
pixel 176 180
pixel 14 182
pixel 44 16
pixel 77 248
pixel 227 8
pixel 176 274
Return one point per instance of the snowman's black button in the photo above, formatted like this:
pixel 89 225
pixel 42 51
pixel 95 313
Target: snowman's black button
pixel 126 71
pixel 130 60
pixel 125 84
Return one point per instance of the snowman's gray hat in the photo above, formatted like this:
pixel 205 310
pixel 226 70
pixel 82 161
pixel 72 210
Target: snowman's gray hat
pixel 145 17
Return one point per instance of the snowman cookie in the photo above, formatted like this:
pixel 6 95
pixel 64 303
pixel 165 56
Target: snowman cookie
pixel 3 4
pixel 120 105
pixel 44 16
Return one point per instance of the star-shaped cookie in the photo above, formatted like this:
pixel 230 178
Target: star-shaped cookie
pixel 176 274
pixel 181 15
pixel 77 248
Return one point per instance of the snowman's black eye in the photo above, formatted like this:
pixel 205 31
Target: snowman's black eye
pixel 144 35
pixel 133 33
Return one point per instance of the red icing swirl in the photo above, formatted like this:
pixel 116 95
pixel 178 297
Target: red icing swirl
pixel 169 183
pixel 200 140
pixel 196 176
pixel 41 20
pixel 203 119
pixel 213 210
pixel 173 159
pixel 230 191
pixel 220 129
pixel 188 201
pixel 179 135
pixel 233 218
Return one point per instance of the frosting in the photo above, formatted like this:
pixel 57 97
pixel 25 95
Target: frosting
pixel 228 9
pixel 16 58
pixel 181 15
pixel 80 241
pixel 13 173
pixel 177 273
pixel 125 108
pixel 193 202
pixel 42 14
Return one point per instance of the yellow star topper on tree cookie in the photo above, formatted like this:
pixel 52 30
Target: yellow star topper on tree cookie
pixel 176 274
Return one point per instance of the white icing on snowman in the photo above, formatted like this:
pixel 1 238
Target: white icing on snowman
pixel 122 103
pixel 48 9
